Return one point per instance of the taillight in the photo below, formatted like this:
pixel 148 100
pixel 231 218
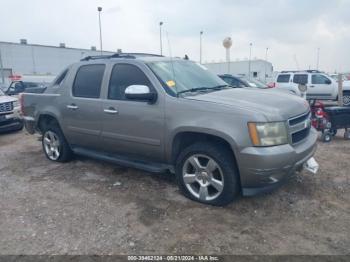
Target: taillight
pixel 20 100
pixel 272 85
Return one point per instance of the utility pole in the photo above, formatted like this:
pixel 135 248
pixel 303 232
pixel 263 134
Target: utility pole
pixel 200 46
pixel 99 9
pixel 250 59
pixel 2 70
pixel 318 58
pixel 160 37
pixel 267 49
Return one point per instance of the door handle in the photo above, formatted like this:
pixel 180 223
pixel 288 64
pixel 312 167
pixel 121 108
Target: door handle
pixel 311 86
pixel 72 106
pixel 110 110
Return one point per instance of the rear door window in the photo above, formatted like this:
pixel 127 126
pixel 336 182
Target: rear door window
pixel 88 81
pixel 283 78
pixel 300 79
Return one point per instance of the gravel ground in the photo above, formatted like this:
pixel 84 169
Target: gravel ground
pixel 91 207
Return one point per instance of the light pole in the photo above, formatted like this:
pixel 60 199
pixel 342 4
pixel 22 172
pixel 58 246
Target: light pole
pixel 318 58
pixel 267 49
pixel 160 37
pixel 2 70
pixel 99 9
pixel 200 46
pixel 250 58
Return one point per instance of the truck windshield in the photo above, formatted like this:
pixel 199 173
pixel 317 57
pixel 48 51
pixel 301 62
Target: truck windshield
pixel 186 77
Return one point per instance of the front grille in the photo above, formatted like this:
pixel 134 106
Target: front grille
pixel 299 127
pixel 299 136
pixel 6 107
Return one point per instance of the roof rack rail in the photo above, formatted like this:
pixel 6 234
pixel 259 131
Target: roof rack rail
pixel 119 55
pixel 143 54
pixel 299 71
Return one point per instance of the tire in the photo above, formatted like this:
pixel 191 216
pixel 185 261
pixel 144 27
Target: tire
pixel 347 135
pixel 346 98
pixel 326 137
pixel 20 126
pixel 212 177
pixel 55 145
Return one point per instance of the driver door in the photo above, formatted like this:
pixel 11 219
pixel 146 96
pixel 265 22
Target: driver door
pixel 131 127
pixel 320 87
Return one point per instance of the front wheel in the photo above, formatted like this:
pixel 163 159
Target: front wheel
pixel 206 173
pixel 55 145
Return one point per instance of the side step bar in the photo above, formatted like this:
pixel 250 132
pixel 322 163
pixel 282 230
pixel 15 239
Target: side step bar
pixel 151 167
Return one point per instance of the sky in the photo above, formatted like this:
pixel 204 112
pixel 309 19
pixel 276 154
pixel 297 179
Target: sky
pixel 292 30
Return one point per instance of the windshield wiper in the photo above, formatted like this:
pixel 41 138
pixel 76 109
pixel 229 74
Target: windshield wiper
pixel 197 89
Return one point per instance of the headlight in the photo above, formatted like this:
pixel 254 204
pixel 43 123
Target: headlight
pixel 16 104
pixel 268 134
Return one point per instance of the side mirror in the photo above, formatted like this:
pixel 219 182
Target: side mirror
pixel 140 93
pixel 328 82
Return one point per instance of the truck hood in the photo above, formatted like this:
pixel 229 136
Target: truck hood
pixel 5 99
pixel 274 105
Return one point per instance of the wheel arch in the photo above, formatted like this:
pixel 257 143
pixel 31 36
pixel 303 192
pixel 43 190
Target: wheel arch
pixel 185 138
pixel 45 119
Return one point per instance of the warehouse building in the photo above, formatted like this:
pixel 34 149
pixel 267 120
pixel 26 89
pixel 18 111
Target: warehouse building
pixel 259 69
pixel 43 61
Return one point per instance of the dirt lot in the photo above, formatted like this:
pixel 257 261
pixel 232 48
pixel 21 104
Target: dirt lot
pixel 90 207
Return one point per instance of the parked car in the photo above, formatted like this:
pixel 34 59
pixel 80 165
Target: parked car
pixel 10 119
pixel 234 81
pixel 17 87
pixel 256 83
pixel 241 82
pixel 336 77
pixel 164 114
pixel 319 85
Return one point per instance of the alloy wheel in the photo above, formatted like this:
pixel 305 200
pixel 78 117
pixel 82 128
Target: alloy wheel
pixel 51 145
pixel 203 177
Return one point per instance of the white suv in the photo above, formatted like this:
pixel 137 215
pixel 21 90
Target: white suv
pixel 319 85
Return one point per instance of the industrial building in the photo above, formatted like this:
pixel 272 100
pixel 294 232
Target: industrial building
pixel 43 61
pixel 259 69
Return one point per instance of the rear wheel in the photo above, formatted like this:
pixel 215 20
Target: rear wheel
pixel 346 98
pixel 55 145
pixel 206 173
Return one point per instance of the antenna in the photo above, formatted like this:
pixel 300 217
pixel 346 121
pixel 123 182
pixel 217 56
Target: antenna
pixel 227 43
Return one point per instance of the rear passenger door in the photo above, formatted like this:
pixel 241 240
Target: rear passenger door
pixel 82 106
pixel 130 127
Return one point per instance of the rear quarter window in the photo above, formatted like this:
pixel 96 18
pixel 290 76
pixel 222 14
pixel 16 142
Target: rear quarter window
pixel 58 81
pixel 283 78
